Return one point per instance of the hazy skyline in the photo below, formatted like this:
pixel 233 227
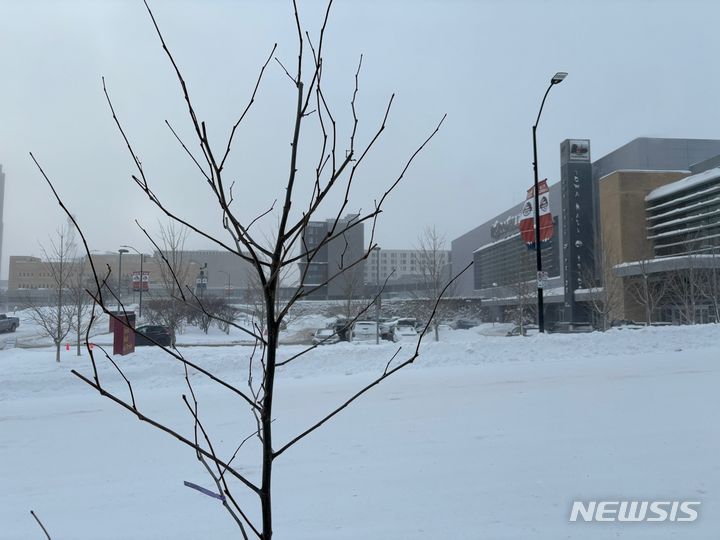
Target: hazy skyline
pixel 635 69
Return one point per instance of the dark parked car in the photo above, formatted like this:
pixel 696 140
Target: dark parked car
pixel 464 324
pixel 341 327
pixel 8 324
pixel 159 335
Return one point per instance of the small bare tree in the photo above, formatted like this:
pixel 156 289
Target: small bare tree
pixel 334 172
pixel 431 262
pixel 80 300
pixel 710 282
pixel 605 291
pixel 646 289
pixel 524 288
pixel 56 320
pixel 353 289
pixel 174 275
pixel 684 289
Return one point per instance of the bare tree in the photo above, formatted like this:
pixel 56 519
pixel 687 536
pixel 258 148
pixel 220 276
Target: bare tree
pixel 524 288
pixel 605 291
pixel 81 301
pixel 710 282
pixel 255 301
pixel 336 165
pixel 353 289
pixel 56 320
pixel 684 289
pixel 174 275
pixel 646 289
pixel 431 262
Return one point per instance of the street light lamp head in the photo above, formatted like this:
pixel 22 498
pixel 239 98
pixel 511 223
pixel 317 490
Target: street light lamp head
pixel 122 250
pixel 558 77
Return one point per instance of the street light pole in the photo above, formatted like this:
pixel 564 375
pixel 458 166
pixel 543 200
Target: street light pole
pixel 142 283
pixel 557 79
pixel 377 300
pixel 119 294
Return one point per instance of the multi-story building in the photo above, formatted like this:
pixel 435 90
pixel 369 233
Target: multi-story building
pixel 680 262
pixel 225 272
pixel 33 273
pixel 401 265
pixel 333 269
pixel 2 205
pixel 598 210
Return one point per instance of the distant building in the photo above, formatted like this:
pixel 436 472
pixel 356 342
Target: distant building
pixel 400 265
pixel 332 270
pixel 2 206
pixel 225 271
pixel 227 274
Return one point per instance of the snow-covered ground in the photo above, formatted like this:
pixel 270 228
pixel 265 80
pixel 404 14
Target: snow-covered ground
pixel 484 437
pixel 30 335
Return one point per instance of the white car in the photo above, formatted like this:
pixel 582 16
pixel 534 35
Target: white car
pixel 404 333
pixel 364 331
pixel 325 336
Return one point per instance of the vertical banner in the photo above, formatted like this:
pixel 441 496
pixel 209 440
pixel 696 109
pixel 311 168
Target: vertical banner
pixel 141 282
pixel 527 216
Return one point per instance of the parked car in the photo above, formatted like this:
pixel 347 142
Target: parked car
pixel 527 330
pixel 571 328
pixel 403 332
pixel 159 334
pixel 364 331
pixel 8 324
pixel 464 324
pixel 325 336
pixel 387 328
pixel 342 328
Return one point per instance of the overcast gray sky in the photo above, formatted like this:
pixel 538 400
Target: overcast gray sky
pixel 641 68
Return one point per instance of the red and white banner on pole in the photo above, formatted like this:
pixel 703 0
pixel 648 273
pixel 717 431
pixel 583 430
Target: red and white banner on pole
pixel 139 282
pixel 527 216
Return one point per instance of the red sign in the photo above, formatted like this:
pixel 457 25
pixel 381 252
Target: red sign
pixel 136 281
pixel 527 216
pixel 123 333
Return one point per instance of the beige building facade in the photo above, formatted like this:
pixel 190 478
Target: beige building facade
pixel 624 233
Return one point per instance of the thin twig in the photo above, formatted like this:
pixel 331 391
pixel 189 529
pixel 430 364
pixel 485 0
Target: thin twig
pixel 40 523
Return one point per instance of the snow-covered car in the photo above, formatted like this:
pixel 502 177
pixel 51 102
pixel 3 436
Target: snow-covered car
pixel 527 330
pixel 387 327
pixel 403 332
pixel 325 336
pixel 364 331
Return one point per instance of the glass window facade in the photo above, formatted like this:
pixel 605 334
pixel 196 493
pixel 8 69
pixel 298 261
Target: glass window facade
pixel 686 221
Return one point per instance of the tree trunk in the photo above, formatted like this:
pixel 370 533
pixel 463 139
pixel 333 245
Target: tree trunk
pixel 273 330
pixel 57 352
pixel 79 307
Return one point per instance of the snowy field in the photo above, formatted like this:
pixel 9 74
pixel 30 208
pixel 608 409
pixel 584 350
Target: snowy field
pixel 485 437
